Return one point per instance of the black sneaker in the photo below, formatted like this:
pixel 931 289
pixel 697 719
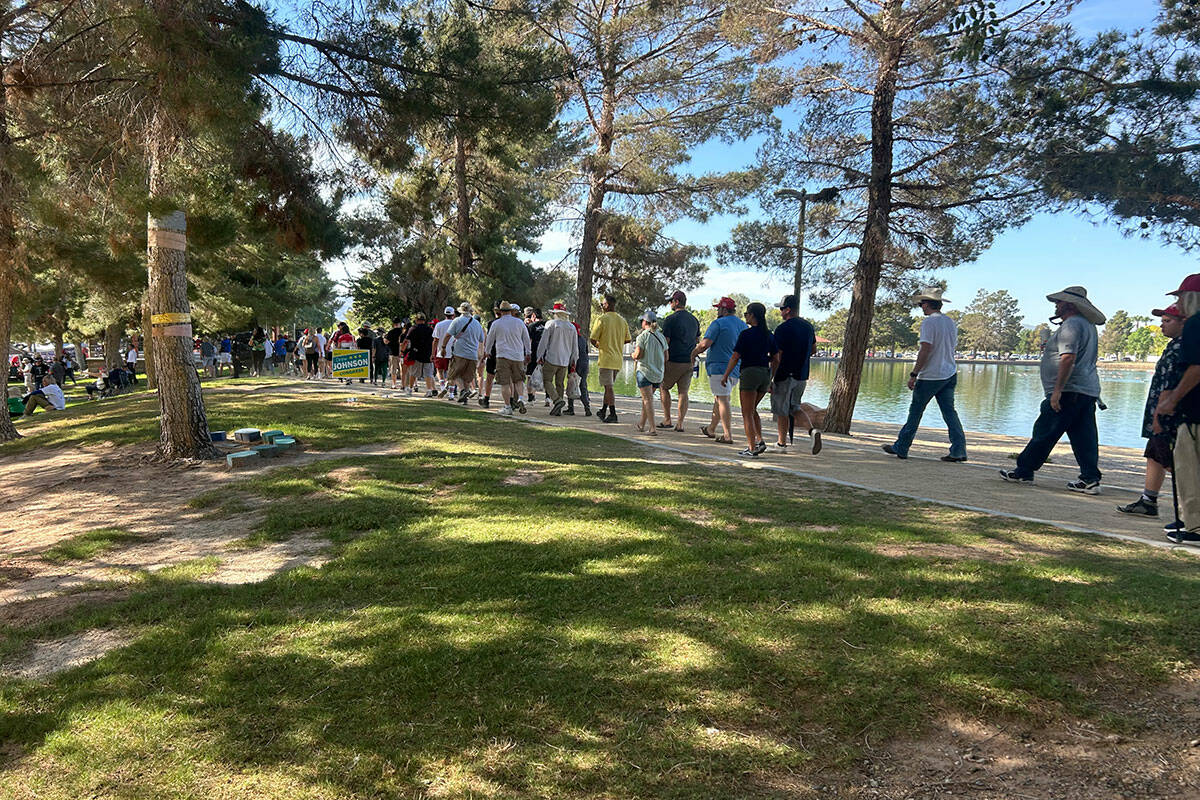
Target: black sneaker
pixel 748 453
pixel 1184 537
pixel 557 410
pixel 1084 487
pixel 612 415
pixel 1012 476
pixel 760 448
pixel 484 402
pixel 1172 527
pixel 887 448
pixel 1140 506
pixel 462 401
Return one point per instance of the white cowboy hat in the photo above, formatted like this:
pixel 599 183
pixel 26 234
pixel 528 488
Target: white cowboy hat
pixel 560 308
pixel 928 293
pixel 1077 296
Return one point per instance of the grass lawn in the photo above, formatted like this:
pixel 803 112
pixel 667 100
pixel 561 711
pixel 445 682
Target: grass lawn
pixel 600 626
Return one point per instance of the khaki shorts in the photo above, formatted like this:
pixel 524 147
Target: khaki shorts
pixel 677 374
pixel 509 372
pixel 461 369
pixel 607 376
pixel 396 364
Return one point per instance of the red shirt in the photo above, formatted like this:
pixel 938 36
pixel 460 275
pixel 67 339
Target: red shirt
pixel 343 341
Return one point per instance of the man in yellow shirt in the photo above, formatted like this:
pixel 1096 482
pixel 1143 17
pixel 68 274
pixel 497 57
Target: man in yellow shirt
pixel 609 335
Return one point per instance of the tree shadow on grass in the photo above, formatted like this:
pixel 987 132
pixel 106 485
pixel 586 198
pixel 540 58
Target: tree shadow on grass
pixel 530 641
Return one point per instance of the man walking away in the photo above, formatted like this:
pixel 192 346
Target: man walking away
pixel 392 340
pixel 537 326
pixel 682 331
pixel 1186 398
pixel 556 353
pixel 933 376
pixel 582 362
pixel 441 347
pixel 719 341
pixel 380 355
pixel 609 335
pixel 1072 388
pixel 1157 430
pixel 510 337
pixel 795 342
pixel 208 357
pixel 420 350
pixel 466 336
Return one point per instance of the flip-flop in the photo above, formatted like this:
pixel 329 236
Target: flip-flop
pixel 666 425
pixel 679 429
pixel 723 440
pixel 704 430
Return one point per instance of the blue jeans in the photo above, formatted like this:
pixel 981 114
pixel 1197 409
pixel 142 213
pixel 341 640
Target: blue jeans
pixel 1077 420
pixel 923 392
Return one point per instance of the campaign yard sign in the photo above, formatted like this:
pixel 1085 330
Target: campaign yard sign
pixel 351 363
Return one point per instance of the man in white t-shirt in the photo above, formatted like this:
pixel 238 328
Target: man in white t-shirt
pixel 49 396
pixel 323 365
pixel 131 358
pixel 934 376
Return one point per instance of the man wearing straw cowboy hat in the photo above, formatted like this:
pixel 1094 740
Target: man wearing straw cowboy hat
pixel 1072 390
pixel 933 376
pixel 556 353
pixel 510 337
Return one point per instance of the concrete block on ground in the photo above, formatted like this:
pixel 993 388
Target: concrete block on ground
pixel 269 436
pixel 217 436
pixel 266 450
pixel 248 435
pixel 284 443
pixel 242 459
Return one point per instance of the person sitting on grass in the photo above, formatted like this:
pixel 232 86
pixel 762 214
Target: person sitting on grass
pixel 97 388
pixel 49 397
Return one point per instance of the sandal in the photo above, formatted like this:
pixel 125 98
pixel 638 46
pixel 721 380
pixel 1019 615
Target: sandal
pixel 704 430
pixel 666 425
pixel 679 429
pixel 723 440
pixel 639 429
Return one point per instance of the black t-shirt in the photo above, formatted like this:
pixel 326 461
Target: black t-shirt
pixel 393 338
pixel 796 341
pixel 1189 405
pixel 755 347
pixel 682 330
pixel 363 342
pixel 420 343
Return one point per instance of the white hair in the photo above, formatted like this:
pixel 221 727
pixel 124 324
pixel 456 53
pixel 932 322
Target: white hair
pixel 1189 303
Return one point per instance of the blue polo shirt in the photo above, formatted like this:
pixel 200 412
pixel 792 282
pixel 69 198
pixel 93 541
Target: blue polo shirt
pixel 723 333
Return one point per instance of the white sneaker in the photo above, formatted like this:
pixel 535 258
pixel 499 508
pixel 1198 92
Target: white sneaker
pixel 506 411
pixel 779 448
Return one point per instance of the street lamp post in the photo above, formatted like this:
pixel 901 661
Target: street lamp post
pixel 826 195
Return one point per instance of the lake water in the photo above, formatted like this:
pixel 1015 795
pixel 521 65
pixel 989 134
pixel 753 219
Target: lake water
pixel 993 398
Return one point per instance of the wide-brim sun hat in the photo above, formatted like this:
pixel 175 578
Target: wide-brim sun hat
pixel 1077 296
pixel 929 293
pixel 466 307
pixel 560 308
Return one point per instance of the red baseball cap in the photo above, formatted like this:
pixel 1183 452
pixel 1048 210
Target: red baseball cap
pixel 1170 311
pixel 728 304
pixel 1190 284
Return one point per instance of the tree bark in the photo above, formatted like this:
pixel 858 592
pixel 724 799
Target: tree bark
pixel 8 253
pixel 112 344
pixel 463 206
pixel 182 419
pixel 146 344
pixel 593 213
pixel 874 247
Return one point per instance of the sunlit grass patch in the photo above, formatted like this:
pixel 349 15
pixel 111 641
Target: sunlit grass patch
pixel 90 544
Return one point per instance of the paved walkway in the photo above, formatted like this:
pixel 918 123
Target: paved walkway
pixel 856 460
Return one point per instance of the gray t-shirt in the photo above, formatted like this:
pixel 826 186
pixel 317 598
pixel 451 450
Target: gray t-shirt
pixel 1076 335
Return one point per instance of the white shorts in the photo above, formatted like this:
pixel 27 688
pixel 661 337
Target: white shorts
pixel 714 384
pixel 224 358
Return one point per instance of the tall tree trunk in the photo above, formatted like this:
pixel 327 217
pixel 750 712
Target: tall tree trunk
pixel 147 344
pixel 874 247
pixel 58 345
pixel 182 419
pixel 112 344
pixel 593 212
pixel 8 253
pixel 463 206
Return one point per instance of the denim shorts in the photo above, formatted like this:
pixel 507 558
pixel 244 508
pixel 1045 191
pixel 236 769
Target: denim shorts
pixel 643 383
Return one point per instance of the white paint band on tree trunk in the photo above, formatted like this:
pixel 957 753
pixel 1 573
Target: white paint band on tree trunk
pixel 169 232
pixel 173 330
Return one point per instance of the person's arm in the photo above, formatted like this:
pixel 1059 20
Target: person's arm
pixel 637 350
pixel 1066 363
pixel 922 359
pixel 703 345
pixel 1169 400
pixel 729 369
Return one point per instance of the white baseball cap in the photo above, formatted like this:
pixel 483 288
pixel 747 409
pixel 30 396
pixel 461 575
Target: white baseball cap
pixel 448 310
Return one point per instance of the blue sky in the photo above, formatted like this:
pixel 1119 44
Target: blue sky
pixel 1050 252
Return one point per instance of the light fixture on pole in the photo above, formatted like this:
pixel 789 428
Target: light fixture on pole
pixel 826 195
